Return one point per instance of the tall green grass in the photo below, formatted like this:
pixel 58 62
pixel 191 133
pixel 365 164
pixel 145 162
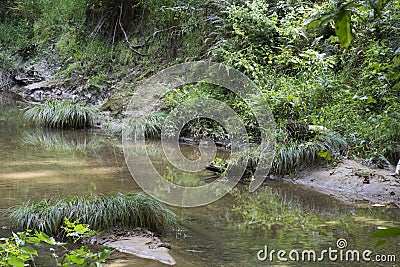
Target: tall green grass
pixel 290 157
pixel 62 114
pixel 99 212
pixel 150 124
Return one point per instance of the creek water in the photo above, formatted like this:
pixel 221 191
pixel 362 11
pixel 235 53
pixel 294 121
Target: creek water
pixel 37 163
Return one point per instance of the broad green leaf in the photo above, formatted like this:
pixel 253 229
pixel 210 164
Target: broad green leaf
pixel 371 100
pixel 76 259
pixel 33 240
pixel 325 18
pixel 105 254
pixel 14 261
pixel 343 28
pixel 387 233
pixel 313 24
pixel 29 250
pixel 380 243
pixel 325 154
pixel 396 86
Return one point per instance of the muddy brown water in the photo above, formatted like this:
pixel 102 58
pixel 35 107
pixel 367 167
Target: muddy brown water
pixel 37 163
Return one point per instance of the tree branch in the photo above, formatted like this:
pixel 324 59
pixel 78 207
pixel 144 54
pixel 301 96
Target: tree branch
pixel 131 46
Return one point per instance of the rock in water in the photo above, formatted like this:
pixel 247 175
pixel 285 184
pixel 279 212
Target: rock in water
pixel 139 246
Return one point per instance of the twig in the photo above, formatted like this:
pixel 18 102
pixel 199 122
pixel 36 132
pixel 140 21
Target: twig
pixel 98 27
pixel 115 30
pixel 163 30
pixel 131 46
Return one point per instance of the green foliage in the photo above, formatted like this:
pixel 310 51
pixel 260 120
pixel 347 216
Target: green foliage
pixel 219 163
pixel 304 75
pixel 392 232
pixel 83 257
pixel 15 250
pixel 19 249
pixel 14 35
pixel 201 127
pixel 77 231
pixel 385 233
pixel 289 48
pixel 341 16
pixel 100 212
pixel 343 28
pixel 49 18
pixel 62 114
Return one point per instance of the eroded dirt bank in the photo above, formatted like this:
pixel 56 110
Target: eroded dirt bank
pixel 353 182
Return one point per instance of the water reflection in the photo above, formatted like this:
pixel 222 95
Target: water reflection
pixel 64 140
pixel 215 235
pixel 167 170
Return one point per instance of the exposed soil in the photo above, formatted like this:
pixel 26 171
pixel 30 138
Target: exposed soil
pixel 353 182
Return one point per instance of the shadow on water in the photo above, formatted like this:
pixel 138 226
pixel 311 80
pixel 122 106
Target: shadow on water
pixel 37 163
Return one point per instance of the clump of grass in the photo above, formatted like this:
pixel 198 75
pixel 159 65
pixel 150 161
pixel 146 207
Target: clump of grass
pixel 99 212
pixel 290 157
pixel 62 114
pixel 151 124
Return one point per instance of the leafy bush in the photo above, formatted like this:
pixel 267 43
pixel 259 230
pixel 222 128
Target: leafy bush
pixel 306 77
pixel 15 251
